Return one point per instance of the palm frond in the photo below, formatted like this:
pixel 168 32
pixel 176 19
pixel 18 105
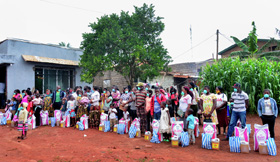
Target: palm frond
pixel 243 46
pixel 272 58
pixel 270 53
pixel 253 40
pixel 241 54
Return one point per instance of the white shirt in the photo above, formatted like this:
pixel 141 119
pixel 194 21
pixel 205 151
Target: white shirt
pixel 2 87
pixel 268 109
pixel 95 97
pixel 221 98
pixel 37 101
pixel 75 95
pixel 239 101
pixel 112 114
pixel 184 102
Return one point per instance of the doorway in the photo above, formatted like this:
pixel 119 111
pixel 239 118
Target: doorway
pixel 3 85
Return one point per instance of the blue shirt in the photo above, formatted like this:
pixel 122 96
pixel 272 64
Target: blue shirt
pixel 14 105
pixel 156 105
pixel 190 119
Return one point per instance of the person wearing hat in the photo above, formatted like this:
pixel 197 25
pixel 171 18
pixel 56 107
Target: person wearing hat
pixel 140 105
pixel 240 103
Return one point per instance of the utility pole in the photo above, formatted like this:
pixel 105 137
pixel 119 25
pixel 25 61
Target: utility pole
pixel 217 44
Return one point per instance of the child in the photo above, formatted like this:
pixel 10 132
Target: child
pixel 126 117
pixel 71 104
pixel 22 121
pixel 94 117
pixel 12 106
pixel 165 124
pixel 63 107
pixel 190 125
pixel 148 109
pixel 171 109
pixel 112 115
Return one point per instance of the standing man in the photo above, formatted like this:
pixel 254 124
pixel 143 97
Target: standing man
pixel 240 104
pixel 57 98
pixel 140 105
pixel 2 95
pixel 95 97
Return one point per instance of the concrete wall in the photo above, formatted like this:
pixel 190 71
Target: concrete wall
pixel 165 82
pixel 114 77
pixel 20 75
pixel 4 47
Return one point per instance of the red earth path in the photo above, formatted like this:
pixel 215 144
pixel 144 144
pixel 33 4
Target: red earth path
pixel 67 144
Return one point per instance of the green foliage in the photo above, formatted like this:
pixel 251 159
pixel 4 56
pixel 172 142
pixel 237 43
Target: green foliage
pixel 251 49
pixel 254 75
pixel 128 44
pixel 63 44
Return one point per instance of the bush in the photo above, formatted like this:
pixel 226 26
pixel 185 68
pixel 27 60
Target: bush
pixel 254 75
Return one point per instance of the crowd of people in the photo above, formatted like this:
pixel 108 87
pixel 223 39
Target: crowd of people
pixel 146 103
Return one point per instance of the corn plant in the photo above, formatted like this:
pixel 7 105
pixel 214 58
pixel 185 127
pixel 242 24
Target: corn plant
pixel 253 74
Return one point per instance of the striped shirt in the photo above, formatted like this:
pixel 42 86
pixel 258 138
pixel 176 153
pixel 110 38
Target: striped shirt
pixel 140 97
pixel 239 101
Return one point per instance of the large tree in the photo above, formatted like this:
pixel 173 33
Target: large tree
pixel 251 49
pixel 126 43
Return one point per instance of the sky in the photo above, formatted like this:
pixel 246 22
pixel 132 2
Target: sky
pixel 54 21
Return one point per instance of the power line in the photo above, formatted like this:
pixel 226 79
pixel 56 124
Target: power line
pixel 73 7
pixel 195 46
pixel 226 37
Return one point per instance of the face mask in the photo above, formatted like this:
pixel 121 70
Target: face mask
pixel 147 89
pixel 126 92
pixel 205 91
pixel 88 93
pixel 138 88
pixel 80 95
pixel 148 94
pixel 23 94
pixel 113 90
pixel 132 93
pixel 172 92
pixel 48 93
pixel 182 93
pixel 59 90
pixel 235 90
pixel 14 93
pixel 191 89
pixel 166 105
pixel 266 96
pixel 217 92
pixel 104 91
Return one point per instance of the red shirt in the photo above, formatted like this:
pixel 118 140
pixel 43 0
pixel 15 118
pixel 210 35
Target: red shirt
pixel 161 99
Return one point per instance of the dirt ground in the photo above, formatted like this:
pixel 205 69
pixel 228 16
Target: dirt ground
pixel 66 144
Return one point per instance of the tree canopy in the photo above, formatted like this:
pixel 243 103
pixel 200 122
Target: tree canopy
pixel 251 49
pixel 126 43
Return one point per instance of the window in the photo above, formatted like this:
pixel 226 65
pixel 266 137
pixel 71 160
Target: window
pixel 46 78
pixel 272 48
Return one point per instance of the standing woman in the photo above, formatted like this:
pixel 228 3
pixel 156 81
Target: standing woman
pixel 184 104
pixel 116 95
pixel 268 111
pixel 208 106
pixel 174 99
pixel 18 98
pixel 48 103
pixel 221 110
pixel 38 103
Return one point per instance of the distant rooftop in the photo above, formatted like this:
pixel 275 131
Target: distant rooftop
pixel 235 45
pixel 47 44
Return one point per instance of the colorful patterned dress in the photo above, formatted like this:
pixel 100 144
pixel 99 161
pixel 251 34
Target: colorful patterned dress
pixel 116 95
pixel 207 106
pixel 47 105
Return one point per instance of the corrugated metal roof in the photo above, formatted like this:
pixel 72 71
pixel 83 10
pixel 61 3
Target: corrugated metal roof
pixel 30 58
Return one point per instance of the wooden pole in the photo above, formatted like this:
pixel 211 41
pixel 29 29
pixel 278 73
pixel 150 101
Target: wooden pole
pixel 217 44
